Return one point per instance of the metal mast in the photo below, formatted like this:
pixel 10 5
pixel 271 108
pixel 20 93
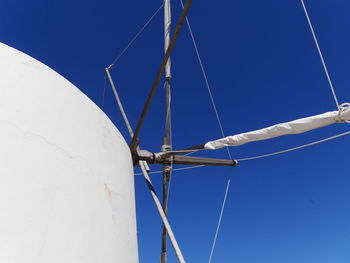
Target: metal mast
pixel 166 157
pixel 167 136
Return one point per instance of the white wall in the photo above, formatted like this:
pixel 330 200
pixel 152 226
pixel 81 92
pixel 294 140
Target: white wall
pixel 66 177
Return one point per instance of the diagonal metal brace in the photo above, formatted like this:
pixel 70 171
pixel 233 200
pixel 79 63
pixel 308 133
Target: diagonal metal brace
pixel 161 213
pixel 183 15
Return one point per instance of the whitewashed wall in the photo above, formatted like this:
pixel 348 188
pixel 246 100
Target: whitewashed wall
pixel 66 177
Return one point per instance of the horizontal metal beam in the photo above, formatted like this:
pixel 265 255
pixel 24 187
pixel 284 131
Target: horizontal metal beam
pixel 189 160
pixel 159 158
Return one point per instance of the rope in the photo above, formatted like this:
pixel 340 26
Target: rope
pixel 320 53
pixel 170 177
pixel 220 125
pixel 136 36
pixel 177 169
pixel 343 107
pixel 219 223
pixel 171 143
pixel 205 78
pixel 295 148
pixel 188 152
pixel 191 152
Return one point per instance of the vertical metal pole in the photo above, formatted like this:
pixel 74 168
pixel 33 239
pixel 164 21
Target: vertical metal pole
pixel 167 137
pixel 166 175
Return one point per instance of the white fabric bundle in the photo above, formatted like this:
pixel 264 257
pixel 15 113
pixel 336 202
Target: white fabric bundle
pixel 293 127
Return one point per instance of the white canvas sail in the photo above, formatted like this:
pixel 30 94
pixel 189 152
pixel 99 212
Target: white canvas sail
pixel 292 127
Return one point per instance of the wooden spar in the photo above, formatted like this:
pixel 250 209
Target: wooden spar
pixel 167 134
pixel 185 10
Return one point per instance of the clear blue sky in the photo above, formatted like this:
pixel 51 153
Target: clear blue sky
pixel 263 68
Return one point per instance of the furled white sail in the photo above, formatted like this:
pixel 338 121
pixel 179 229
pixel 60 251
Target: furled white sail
pixel 292 127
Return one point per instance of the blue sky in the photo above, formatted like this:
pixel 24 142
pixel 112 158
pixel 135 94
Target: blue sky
pixel 263 69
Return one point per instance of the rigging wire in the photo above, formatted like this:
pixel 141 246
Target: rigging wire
pixel 136 36
pixel 167 181
pixel 191 152
pixel 168 117
pixel 220 125
pixel 171 143
pixel 205 78
pixel 177 169
pixel 295 148
pixel 221 213
pixel 219 221
pixel 320 54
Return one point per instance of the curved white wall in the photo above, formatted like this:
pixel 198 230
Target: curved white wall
pixel 66 176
